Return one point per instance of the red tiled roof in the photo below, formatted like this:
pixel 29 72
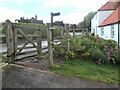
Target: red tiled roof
pixel 110 5
pixel 113 18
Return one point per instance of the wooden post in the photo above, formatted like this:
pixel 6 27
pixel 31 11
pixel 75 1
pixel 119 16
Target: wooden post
pixel 39 42
pixel 10 43
pixel 50 48
pixel 67 34
pixel 74 31
pixel 61 33
pixel 83 30
pixel 15 39
pixel 47 29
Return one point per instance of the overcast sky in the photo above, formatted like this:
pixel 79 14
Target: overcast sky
pixel 72 11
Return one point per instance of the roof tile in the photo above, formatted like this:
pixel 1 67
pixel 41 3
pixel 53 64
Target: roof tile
pixel 110 5
pixel 113 18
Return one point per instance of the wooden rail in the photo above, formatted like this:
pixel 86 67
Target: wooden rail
pixel 11 38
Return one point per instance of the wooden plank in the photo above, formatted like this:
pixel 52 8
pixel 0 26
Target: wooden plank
pixel 26 52
pixel 67 35
pixel 61 46
pixel 59 40
pixel 27 27
pixel 78 29
pixel 24 27
pixel 47 30
pixel 61 33
pixel 20 53
pixel 50 49
pixel 29 47
pixel 74 31
pixel 2 35
pixel 57 28
pixel 28 35
pixel 10 43
pixel 24 46
pixel 3 52
pixel 15 37
pixel 24 35
pixel 39 42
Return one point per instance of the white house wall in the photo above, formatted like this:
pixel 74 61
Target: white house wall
pixel 104 15
pixel 95 23
pixel 107 32
pixel 98 19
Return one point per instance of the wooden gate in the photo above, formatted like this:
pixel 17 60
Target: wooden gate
pixel 11 39
pixel 60 39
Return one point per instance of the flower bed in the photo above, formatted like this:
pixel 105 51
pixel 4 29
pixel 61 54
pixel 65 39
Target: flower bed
pixel 97 49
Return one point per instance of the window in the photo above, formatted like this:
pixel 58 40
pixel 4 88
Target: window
pixel 112 31
pixel 102 31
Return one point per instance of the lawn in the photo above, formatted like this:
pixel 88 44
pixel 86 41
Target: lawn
pixel 86 69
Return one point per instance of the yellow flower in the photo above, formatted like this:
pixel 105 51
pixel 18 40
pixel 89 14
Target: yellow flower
pixel 82 54
pixel 95 36
pixel 88 53
pixel 70 52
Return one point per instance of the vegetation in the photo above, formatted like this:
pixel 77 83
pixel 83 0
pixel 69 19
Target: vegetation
pixel 58 23
pixel 98 50
pixel 89 58
pixel 87 20
pixel 84 68
pixel 23 20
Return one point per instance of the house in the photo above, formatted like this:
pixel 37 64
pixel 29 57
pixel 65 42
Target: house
pixel 106 22
pixel 34 20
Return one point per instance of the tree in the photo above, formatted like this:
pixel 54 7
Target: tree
pixel 22 20
pixel 86 23
pixel 59 23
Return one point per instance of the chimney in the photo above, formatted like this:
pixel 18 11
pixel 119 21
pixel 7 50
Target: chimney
pixel 36 17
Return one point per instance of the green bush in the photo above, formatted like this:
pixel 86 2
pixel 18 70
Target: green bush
pixel 97 55
pixel 63 53
pixel 117 57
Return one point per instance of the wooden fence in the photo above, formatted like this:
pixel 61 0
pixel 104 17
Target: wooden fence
pixel 11 40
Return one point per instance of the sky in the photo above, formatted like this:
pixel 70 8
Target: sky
pixel 71 11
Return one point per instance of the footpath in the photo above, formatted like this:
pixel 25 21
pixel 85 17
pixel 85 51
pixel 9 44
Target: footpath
pixel 16 76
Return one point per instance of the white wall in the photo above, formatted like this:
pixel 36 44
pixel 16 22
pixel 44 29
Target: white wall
pixel 98 19
pixel 95 23
pixel 107 32
pixel 104 15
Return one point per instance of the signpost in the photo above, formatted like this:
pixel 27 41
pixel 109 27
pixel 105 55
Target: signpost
pixel 52 15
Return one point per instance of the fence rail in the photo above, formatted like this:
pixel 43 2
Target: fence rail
pixel 11 40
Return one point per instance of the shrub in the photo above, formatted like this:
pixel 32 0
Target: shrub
pixel 87 43
pixel 117 57
pixel 97 55
pixel 62 53
pixel 97 49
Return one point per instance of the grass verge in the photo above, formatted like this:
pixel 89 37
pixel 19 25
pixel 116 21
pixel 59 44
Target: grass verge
pixel 85 69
